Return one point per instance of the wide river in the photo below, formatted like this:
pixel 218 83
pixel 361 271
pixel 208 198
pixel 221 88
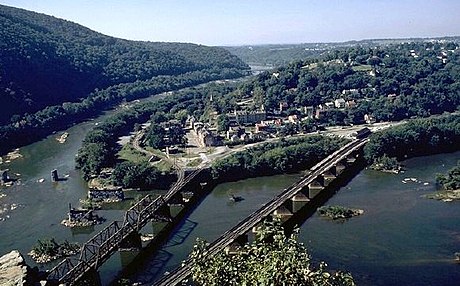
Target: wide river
pixel 402 239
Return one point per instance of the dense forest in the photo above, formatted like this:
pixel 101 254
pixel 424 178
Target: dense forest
pixel 52 68
pixel 420 85
pixel 416 138
pixel 279 157
pixel 450 180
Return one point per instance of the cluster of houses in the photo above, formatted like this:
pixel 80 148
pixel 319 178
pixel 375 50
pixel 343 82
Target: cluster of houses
pixel 256 125
pixel 205 133
pixel 443 55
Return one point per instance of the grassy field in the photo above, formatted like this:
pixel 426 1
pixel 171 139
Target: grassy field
pixel 128 153
pixel 164 166
pixel 194 163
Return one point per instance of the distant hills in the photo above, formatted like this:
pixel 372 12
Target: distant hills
pixel 274 55
pixel 46 61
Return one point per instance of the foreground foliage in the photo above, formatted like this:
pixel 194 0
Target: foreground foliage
pixel 272 259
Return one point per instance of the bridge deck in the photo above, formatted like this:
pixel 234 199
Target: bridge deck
pixel 102 245
pixel 253 219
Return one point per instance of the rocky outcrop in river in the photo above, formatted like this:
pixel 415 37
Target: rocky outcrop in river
pixel 13 270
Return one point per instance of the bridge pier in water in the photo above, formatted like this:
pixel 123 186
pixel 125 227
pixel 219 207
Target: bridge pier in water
pixel 132 242
pixel 236 245
pixel 282 213
pixel 91 277
pixel 352 157
pixel 299 201
pixel 340 167
pixel 315 187
pixel 311 191
pixel 329 176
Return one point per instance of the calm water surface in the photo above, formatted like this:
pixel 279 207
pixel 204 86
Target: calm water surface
pixel 215 215
pixel 31 210
pixel 402 239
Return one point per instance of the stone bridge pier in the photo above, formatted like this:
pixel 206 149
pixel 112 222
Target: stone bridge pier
pixel 132 242
pixel 236 245
pixel 315 187
pixel 299 200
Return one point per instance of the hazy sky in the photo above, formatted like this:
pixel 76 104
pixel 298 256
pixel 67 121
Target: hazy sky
pixel 235 22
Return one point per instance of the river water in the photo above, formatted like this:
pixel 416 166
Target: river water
pixel 32 210
pixel 402 239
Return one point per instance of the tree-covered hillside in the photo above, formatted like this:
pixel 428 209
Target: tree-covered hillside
pixel 389 82
pixel 47 61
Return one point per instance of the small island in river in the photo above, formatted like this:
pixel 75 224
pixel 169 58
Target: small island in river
pixel 387 164
pixel 445 195
pixel 339 212
pixel 450 183
pixel 47 250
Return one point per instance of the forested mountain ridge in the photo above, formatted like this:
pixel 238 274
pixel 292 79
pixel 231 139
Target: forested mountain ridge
pixel 47 61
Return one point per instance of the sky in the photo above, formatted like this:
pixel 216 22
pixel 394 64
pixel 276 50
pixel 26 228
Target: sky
pixel 251 22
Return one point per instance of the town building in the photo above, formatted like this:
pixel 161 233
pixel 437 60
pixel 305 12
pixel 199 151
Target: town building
pixel 243 117
pixel 369 118
pixel 309 111
pixel 339 103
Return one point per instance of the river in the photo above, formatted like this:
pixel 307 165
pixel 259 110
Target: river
pixel 401 239
pixel 32 210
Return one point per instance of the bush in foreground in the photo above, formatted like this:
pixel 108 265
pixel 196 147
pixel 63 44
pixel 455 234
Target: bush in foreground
pixel 272 259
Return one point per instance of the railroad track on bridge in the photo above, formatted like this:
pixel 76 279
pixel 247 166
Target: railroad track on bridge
pixel 106 242
pixel 181 273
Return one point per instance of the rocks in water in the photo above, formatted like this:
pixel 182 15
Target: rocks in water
pixel 61 139
pixel 13 270
pixel 13 155
pixel 82 218
pixel 236 199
